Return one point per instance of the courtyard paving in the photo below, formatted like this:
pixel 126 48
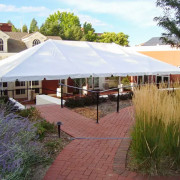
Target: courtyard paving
pixel 100 154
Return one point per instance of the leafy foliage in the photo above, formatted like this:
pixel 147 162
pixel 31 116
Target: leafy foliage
pixel 119 38
pixel 125 96
pixel 7 105
pixel 33 26
pixel 170 21
pixel 53 146
pixel 31 113
pixel 73 33
pixel 63 24
pixel 4 100
pixel 44 127
pixel 83 101
pixel 125 81
pixel 89 32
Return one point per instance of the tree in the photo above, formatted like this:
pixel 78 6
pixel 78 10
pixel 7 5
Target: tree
pixel 170 21
pixel 24 28
pixel 119 38
pixel 63 24
pixel 88 32
pixel 73 33
pixel 33 26
pixel 14 29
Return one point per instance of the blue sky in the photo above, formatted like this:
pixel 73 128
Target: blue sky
pixel 132 17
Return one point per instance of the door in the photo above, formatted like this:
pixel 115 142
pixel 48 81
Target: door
pixel 96 82
pixel 93 83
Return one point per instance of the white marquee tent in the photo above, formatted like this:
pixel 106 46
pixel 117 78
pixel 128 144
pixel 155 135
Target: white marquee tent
pixel 57 59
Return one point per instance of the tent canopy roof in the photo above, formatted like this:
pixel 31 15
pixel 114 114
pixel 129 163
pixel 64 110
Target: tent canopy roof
pixel 57 59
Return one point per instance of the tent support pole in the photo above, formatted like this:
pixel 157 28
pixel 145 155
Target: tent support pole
pixel 118 101
pixel 87 85
pixel 1 87
pixel 27 90
pixel 97 108
pixel 169 79
pixel 61 96
pixel 119 80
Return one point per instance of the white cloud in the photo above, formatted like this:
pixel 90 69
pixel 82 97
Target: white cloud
pixel 23 9
pixel 89 19
pixel 140 12
pixel 45 12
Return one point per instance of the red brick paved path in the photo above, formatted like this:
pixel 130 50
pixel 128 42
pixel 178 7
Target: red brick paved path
pixel 90 159
pixel 101 159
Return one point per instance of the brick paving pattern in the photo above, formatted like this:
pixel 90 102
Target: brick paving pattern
pixel 94 159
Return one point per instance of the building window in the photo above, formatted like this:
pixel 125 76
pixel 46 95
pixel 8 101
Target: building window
pixel 36 90
pixel 4 84
pixel 5 92
pixel 20 91
pixel 140 80
pixel 146 79
pixel 35 83
pixel 36 42
pixel 20 83
pixel 90 82
pixel 1 45
pixel 96 82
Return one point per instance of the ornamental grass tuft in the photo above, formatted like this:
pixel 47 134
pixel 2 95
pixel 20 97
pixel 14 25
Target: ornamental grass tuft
pixel 155 145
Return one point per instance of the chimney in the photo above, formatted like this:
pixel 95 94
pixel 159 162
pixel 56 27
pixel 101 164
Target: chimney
pixel 6 27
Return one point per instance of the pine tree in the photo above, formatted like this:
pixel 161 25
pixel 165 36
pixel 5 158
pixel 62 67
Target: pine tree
pixel 24 28
pixel 33 26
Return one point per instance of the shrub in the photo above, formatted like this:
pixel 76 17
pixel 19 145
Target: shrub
pixel 125 81
pixel 126 96
pixel 8 105
pixel 53 145
pixel 156 133
pixel 83 101
pixel 4 99
pixel 44 127
pixel 112 97
pixel 19 150
pixel 31 113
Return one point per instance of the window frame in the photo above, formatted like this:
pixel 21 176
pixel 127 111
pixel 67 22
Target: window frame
pixel 5 84
pixel 1 45
pixel 21 83
pixel 36 90
pixel 5 92
pixel 21 91
pixel 96 82
pixel 36 42
pixel 35 83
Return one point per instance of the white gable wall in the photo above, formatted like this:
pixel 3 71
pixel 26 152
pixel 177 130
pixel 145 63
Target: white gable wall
pixel 29 40
pixel 5 38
